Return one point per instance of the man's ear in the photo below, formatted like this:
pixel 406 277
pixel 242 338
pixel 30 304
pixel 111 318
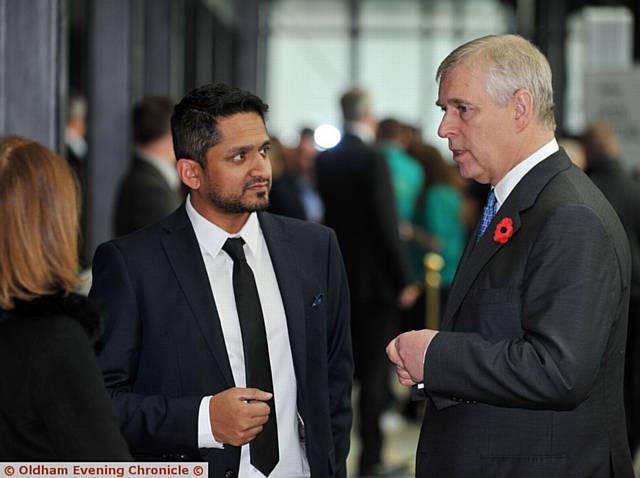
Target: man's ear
pixel 190 172
pixel 523 109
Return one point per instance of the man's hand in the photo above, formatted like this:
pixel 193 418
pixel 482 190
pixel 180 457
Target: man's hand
pixel 238 414
pixel 403 375
pixel 407 353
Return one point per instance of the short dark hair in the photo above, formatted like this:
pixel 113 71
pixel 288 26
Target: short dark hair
pixel 355 104
pixel 305 132
pixel 194 120
pixel 389 129
pixel 152 119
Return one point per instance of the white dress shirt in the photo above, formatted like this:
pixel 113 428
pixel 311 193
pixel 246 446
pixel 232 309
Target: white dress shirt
pixel 293 461
pixel 513 177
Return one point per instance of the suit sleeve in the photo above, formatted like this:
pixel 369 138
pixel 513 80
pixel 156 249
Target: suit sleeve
pixel 340 361
pixel 572 300
pixel 385 221
pixel 69 395
pixel 151 423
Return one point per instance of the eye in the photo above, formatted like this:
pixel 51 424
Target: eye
pixel 240 156
pixel 264 151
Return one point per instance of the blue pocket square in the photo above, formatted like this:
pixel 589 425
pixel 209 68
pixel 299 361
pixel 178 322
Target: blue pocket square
pixel 317 300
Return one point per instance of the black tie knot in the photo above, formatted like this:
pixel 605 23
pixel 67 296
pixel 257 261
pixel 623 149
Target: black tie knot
pixel 234 247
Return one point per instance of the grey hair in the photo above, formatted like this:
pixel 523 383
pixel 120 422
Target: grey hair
pixel 511 63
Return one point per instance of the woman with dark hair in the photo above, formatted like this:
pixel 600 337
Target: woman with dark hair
pixel 53 404
pixel 439 212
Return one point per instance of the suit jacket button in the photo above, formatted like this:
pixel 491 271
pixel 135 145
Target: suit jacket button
pixel 182 457
pixel 229 474
pixel 164 456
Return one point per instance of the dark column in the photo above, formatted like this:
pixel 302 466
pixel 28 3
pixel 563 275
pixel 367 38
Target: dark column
pixel 190 43
pixel 354 39
pixel 204 46
pixel 112 86
pixel 246 44
pixel 157 41
pixel 164 29
pixel 551 19
pixel 32 60
pixel 223 51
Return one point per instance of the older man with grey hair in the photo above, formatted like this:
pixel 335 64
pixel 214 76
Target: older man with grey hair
pixel 524 377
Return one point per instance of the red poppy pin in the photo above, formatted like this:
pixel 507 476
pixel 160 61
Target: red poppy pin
pixel 503 231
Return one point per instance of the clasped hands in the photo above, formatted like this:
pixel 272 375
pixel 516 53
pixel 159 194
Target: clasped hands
pixel 407 353
pixel 238 414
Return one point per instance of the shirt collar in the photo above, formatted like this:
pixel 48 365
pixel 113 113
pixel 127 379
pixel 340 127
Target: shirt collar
pixel 361 130
pixel 212 237
pixel 513 177
pixel 166 169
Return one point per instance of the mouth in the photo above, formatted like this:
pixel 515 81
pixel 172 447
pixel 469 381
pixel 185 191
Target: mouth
pixel 258 186
pixel 457 153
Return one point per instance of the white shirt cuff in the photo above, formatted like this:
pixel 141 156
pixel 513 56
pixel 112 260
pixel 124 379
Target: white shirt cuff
pixel 205 435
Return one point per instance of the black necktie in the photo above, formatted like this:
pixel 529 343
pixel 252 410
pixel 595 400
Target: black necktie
pixel 264 447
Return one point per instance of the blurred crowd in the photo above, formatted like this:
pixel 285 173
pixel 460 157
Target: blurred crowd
pixel 392 199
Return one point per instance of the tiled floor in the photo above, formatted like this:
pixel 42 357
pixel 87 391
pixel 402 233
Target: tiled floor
pixel 401 439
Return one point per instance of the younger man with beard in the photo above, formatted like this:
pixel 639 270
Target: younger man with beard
pixel 227 328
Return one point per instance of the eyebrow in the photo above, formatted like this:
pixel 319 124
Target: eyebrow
pixel 247 147
pixel 455 101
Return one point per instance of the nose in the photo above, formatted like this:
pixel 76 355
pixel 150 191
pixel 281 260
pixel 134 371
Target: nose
pixel 261 165
pixel 446 126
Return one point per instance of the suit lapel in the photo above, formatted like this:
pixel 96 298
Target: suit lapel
pixel 183 251
pixel 477 256
pixel 286 265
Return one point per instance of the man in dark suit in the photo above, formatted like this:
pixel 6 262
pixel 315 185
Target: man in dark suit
pixel 604 168
pixel 151 189
pixel 353 180
pixel 181 349
pixel 524 378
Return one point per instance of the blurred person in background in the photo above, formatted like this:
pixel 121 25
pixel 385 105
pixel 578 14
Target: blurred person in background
pixel 76 149
pixel 277 156
pixel 294 192
pixel 53 404
pixel 575 150
pixel 604 167
pixel 355 185
pixel 151 189
pixel 407 176
pixel 439 215
pixel 75 134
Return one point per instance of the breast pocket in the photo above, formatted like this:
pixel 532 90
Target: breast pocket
pixel 496 312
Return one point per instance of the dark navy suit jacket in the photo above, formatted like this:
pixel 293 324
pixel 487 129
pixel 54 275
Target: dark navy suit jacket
pixel 164 348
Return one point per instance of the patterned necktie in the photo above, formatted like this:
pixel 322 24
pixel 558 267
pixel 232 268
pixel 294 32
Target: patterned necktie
pixel 488 214
pixel 264 447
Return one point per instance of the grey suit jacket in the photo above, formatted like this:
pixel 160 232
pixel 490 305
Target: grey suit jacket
pixel 525 378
